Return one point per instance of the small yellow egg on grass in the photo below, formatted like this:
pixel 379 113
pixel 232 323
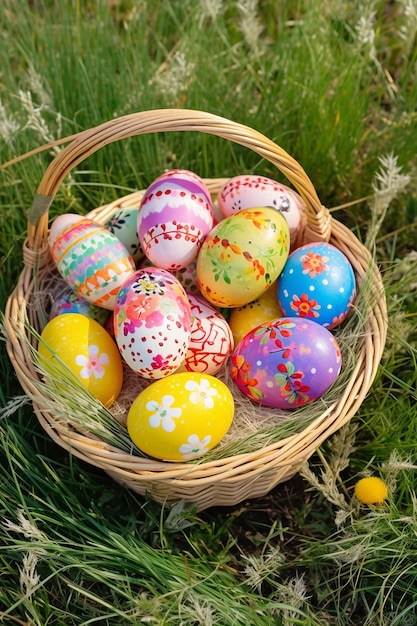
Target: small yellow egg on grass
pixel 371 490
pixel 74 342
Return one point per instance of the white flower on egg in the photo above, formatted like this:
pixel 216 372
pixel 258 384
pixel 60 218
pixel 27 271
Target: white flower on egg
pixel 93 364
pixel 201 392
pixel 164 414
pixel 194 447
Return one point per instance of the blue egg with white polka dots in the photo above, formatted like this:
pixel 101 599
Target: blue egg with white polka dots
pixel 317 283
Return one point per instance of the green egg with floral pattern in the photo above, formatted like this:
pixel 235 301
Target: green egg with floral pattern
pixel 181 417
pixel 242 256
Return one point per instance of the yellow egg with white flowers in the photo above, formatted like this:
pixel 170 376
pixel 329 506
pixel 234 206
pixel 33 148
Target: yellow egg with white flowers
pixel 181 417
pixel 75 342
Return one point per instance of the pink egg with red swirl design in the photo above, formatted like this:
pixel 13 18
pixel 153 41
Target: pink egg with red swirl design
pixel 250 190
pixel 211 341
pixel 286 363
pixel 175 215
pixel 152 323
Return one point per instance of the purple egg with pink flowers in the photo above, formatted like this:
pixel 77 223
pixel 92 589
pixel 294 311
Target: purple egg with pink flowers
pixel 175 216
pixel 286 363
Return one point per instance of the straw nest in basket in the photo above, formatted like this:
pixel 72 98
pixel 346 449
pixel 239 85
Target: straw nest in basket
pixel 264 446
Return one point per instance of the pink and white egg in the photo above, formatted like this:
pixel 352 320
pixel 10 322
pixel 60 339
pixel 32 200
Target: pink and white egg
pixel 175 215
pixel 152 323
pixel 246 191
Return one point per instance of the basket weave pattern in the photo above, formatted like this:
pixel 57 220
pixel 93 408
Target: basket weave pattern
pixel 225 481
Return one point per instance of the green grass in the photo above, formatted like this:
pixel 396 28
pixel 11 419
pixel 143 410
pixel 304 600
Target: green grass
pixel 77 549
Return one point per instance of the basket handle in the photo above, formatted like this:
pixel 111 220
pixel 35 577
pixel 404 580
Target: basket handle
pixel 85 143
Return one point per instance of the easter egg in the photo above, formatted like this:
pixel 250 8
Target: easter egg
pixel 317 283
pixel 286 363
pixel 92 261
pixel 242 256
pixel 175 216
pixel 123 224
pixel 211 340
pixel 67 301
pixel 152 322
pixel 74 342
pixel 250 190
pixel 188 278
pixel 181 417
pixel 246 317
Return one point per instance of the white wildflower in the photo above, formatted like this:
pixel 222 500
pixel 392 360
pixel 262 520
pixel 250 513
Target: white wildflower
pixel 36 85
pixel 365 32
pixel 327 486
pixel 24 527
pixel 210 9
pixel 13 405
pixel 340 517
pixel 249 23
pixel 341 446
pixel 389 182
pixel 351 554
pixel 8 126
pixel 297 591
pixel 260 567
pixel 391 468
pixel 408 29
pixel 174 76
pixel 199 610
pixel 29 578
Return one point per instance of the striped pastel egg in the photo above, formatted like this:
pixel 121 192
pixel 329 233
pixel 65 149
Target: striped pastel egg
pixel 92 261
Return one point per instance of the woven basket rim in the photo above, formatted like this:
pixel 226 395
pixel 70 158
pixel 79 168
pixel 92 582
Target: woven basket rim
pixel 206 483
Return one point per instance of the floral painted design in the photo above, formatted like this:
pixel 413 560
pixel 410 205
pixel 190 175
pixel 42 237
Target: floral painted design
pixel 241 374
pixel 93 365
pixel 314 264
pixel 291 384
pixel 271 331
pixel 194 447
pixel 305 307
pixel 148 284
pixel 201 392
pixel 164 414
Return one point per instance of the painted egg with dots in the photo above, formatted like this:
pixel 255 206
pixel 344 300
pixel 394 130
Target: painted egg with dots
pixel 250 190
pixel 286 363
pixel 91 260
pixel 72 342
pixel 175 215
pixel 211 340
pixel 242 256
pixel 123 224
pixel 318 283
pixel 152 323
pixel 188 278
pixel 182 417
pixel 264 309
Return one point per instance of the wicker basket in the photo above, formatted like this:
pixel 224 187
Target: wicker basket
pixel 230 480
